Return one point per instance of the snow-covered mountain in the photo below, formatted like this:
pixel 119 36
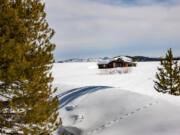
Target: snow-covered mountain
pixel 84 60
pixel 137 58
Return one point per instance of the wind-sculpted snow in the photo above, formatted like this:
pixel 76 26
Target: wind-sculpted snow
pixel 101 110
pixel 70 95
pixel 119 118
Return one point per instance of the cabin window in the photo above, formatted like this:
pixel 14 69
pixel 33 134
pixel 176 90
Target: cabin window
pixel 118 64
pixel 114 64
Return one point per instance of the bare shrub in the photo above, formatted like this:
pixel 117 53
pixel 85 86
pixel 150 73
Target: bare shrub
pixel 111 71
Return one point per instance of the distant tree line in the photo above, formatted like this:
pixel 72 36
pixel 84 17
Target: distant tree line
pixel 144 59
pixel 135 58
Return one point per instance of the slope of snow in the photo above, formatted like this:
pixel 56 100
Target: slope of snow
pixel 126 104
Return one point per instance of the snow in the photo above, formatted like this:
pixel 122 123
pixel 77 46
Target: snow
pixel 114 104
pixel 124 58
pixel 106 61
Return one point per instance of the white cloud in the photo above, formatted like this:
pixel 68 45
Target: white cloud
pixel 80 23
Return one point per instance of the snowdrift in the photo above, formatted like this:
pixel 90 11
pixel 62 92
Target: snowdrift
pixel 123 104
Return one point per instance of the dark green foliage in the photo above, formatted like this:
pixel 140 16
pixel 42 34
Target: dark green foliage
pixel 168 78
pixel 26 103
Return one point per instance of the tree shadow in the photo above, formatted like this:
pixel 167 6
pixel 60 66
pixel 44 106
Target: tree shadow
pixel 68 130
pixel 70 95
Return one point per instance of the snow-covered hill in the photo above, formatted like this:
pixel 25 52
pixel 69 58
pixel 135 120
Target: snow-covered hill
pixel 92 103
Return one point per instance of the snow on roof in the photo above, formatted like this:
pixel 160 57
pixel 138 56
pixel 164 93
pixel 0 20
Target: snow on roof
pixel 124 58
pixel 106 61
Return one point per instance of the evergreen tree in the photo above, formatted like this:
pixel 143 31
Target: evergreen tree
pixel 168 78
pixel 27 104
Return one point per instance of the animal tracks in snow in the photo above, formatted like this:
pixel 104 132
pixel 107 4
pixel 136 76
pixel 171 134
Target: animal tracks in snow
pixel 119 118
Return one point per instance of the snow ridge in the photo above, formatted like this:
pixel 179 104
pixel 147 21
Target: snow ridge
pixel 69 96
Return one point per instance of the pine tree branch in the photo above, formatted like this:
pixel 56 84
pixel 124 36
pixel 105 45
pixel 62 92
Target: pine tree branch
pixel 9 133
pixel 5 96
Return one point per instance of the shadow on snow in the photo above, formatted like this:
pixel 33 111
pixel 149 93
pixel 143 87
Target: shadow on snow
pixel 70 95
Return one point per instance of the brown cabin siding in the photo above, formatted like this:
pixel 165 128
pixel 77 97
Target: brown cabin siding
pixel 117 63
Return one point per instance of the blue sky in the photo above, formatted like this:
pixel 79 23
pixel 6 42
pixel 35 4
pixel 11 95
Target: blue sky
pixel 98 28
pixel 138 2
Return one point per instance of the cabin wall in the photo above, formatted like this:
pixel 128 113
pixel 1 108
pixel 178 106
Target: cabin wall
pixel 115 64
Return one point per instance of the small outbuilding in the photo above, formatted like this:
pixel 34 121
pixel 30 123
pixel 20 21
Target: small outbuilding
pixel 121 61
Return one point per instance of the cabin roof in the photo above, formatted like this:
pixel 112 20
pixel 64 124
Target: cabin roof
pixel 123 58
pixel 106 61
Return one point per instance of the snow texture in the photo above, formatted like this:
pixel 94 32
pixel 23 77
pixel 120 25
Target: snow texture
pixel 113 104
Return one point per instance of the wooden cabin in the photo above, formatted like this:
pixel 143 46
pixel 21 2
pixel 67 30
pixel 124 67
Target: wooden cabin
pixel 121 61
